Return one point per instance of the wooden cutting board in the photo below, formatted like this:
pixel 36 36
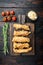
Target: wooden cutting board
pixel 31 36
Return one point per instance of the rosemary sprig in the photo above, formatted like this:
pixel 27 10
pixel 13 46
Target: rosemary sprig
pixel 5 38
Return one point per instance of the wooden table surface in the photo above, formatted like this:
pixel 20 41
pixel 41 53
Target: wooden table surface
pixel 37 59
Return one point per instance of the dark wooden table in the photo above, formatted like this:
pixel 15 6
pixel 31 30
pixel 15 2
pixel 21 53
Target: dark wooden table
pixel 37 59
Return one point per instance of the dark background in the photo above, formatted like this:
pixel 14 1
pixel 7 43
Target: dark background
pixel 37 59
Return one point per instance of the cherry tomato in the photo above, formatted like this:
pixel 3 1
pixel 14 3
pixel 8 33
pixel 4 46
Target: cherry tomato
pixel 14 18
pixel 12 12
pixel 4 19
pixel 3 13
pixel 9 18
pixel 7 13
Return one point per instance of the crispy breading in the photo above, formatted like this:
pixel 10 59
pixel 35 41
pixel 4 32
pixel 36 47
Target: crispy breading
pixel 20 39
pixel 22 33
pixel 20 26
pixel 20 45
pixel 22 50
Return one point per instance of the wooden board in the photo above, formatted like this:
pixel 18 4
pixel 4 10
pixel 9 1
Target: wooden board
pixel 32 43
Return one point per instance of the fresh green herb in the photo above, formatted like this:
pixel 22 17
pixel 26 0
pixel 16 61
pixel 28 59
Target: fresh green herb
pixel 5 38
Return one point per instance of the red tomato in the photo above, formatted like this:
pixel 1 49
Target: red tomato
pixel 9 18
pixel 14 18
pixel 7 13
pixel 12 12
pixel 5 19
pixel 3 13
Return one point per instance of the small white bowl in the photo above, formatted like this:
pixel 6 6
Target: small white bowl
pixel 32 15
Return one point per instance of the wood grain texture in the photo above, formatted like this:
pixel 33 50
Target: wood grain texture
pixel 37 59
pixel 21 3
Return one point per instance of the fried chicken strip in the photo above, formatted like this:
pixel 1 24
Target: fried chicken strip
pixel 20 26
pixel 22 50
pixel 20 39
pixel 20 45
pixel 22 33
